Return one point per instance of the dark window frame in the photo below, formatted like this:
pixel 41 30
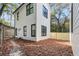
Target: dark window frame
pixel 24 30
pixel 45 12
pixel 15 31
pixel 29 9
pixel 33 30
pixel 43 30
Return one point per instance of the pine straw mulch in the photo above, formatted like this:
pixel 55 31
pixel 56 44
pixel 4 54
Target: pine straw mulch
pixel 48 47
pixel 6 47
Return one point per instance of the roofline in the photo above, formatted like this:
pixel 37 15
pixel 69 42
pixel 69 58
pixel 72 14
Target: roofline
pixel 19 7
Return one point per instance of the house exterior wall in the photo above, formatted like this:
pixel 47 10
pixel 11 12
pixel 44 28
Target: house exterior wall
pixel 41 20
pixel 34 18
pixel 25 21
pixel 75 33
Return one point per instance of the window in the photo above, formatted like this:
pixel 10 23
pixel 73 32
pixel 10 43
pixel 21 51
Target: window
pixel 29 9
pixel 43 30
pixel 25 30
pixel 16 32
pixel 33 30
pixel 18 16
pixel 45 12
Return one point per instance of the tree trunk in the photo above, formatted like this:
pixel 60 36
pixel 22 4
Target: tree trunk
pixel 2 8
pixel 59 26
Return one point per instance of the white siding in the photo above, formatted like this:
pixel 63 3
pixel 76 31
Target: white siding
pixel 75 34
pixel 35 18
pixel 25 20
pixel 41 20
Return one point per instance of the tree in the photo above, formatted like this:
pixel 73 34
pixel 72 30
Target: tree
pixel 7 8
pixel 60 12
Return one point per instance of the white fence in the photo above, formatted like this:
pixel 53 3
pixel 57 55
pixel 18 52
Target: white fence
pixel 59 36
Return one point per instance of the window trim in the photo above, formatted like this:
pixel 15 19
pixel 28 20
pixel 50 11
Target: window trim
pixel 33 30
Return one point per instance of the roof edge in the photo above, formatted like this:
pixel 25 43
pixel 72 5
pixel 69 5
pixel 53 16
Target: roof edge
pixel 19 7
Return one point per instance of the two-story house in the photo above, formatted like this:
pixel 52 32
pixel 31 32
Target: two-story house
pixel 32 21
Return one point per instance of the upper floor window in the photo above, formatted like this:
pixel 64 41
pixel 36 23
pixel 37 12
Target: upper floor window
pixel 45 12
pixel 25 30
pixel 29 9
pixel 18 16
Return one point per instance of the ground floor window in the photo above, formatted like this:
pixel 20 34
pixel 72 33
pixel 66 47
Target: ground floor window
pixel 16 32
pixel 33 30
pixel 43 30
pixel 25 30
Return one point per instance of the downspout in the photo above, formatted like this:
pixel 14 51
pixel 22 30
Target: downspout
pixel 14 27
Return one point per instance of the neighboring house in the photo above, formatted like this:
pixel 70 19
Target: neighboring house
pixel 32 21
pixel 75 28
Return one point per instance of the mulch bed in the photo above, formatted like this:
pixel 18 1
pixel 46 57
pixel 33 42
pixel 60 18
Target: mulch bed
pixel 6 47
pixel 47 47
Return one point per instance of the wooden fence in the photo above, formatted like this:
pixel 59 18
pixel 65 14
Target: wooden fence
pixel 60 36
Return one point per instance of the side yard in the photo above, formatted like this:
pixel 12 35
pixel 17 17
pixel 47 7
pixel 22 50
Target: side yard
pixel 49 47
